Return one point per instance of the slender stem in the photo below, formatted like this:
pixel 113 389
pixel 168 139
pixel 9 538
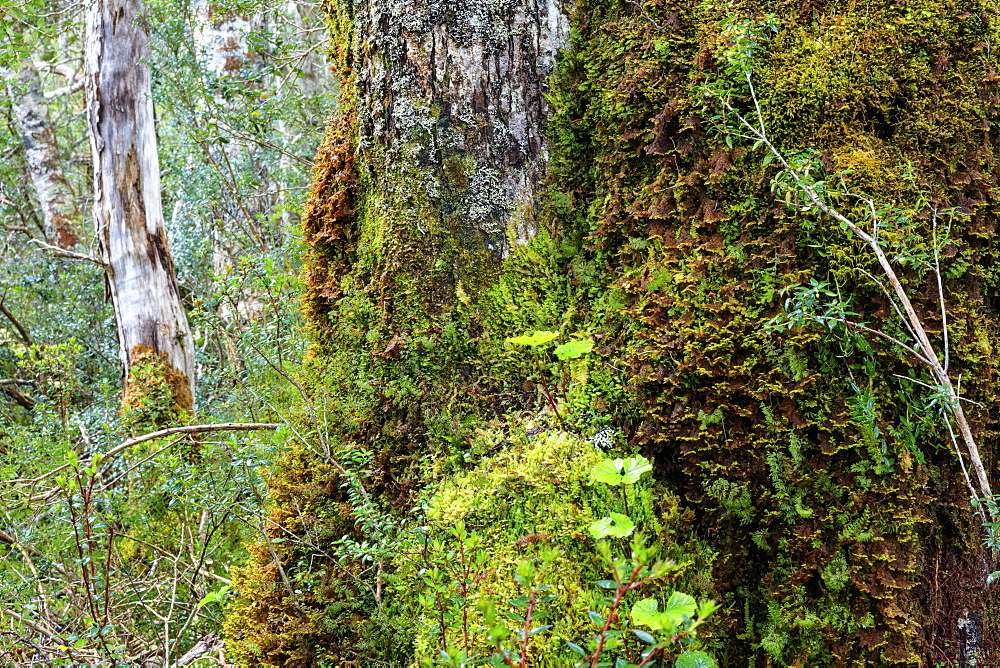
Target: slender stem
pixel 546 390
pixel 650 657
pixel 527 628
pixel 927 354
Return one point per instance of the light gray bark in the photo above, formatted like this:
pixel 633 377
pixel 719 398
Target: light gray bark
pixel 454 92
pixel 127 207
pixel 41 153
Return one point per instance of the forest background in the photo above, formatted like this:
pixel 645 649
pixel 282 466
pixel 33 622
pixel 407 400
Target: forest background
pixel 240 90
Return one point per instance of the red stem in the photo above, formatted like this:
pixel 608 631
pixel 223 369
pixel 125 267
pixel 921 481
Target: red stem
pixel 527 627
pixel 545 389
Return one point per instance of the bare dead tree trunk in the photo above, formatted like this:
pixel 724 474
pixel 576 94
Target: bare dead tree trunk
pixel 41 152
pixel 127 206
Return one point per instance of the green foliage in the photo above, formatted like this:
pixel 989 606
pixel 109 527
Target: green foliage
pixel 614 526
pixel 534 340
pixel 620 471
pixel 573 349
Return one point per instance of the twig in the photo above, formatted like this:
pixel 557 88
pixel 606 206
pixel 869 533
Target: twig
pixel 189 429
pixel 21 329
pixel 62 252
pixel 929 356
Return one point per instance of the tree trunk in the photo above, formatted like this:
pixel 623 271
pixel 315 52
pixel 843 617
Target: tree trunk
pixel 55 197
pixel 128 213
pixel 805 475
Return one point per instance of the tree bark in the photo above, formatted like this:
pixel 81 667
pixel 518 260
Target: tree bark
pixel 453 93
pixel 127 207
pixel 41 152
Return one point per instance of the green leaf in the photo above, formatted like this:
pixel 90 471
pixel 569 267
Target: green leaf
pixel 617 526
pixel 634 468
pixel 645 637
pixel 576 648
pixel 539 629
pixel 534 340
pixel 607 471
pixel 695 659
pixel 620 471
pixel 679 606
pixel 645 613
pixel 573 349
pixel 595 618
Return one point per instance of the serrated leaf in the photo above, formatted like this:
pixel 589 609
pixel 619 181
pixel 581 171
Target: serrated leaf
pixel 573 349
pixel 707 607
pixel 679 606
pixel 608 471
pixel 538 338
pixel 695 659
pixel 645 613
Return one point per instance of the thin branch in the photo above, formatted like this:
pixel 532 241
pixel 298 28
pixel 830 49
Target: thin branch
pixel 189 429
pixel 929 356
pixel 62 252
pixel 21 329
pixel 940 286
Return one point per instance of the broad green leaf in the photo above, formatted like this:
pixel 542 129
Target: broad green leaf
pixel 695 659
pixel 607 471
pixel 534 340
pixel 573 349
pixel 616 526
pixel 633 469
pixel 576 648
pixel 595 618
pixel 645 613
pixel 679 606
pixel 620 471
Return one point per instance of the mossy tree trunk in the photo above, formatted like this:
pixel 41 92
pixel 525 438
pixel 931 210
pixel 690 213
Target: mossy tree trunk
pixel 128 213
pixel 813 471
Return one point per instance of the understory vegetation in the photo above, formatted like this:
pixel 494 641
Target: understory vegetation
pixel 732 404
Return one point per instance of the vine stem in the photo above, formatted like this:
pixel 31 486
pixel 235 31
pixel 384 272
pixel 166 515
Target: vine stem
pixel 620 591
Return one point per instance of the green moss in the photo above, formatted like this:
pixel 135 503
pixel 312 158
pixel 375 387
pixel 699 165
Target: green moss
pixel 819 483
